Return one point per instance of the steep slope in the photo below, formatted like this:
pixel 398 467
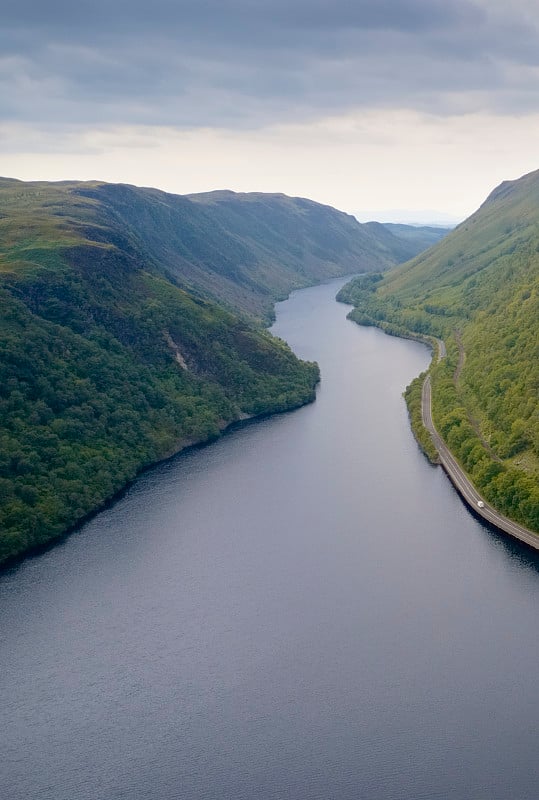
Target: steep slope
pixel 244 250
pixel 312 241
pixel 113 352
pixel 107 366
pixel 478 289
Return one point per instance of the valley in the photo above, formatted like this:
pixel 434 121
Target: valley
pixel 132 326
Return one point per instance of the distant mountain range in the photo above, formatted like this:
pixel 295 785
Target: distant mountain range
pixel 416 218
pixel 478 289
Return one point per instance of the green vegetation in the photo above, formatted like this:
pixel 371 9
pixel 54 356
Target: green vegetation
pixel 107 366
pixel 248 250
pixel 412 395
pixel 478 289
pixel 130 328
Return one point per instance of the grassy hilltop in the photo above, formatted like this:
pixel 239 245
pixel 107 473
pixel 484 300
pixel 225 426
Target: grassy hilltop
pixel 478 289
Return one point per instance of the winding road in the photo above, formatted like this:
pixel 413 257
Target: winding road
pixel 442 352
pixel 462 483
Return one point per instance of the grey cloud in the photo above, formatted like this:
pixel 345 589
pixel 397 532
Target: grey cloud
pixel 250 62
pixel 233 15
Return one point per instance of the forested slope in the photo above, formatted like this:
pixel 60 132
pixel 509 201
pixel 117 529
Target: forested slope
pixel 106 365
pixel 479 290
pixel 130 326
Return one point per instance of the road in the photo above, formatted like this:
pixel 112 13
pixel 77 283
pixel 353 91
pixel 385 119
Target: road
pixel 441 349
pixel 463 484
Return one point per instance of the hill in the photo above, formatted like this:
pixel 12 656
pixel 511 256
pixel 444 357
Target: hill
pixel 402 242
pixel 248 250
pixel 478 289
pixel 130 328
pixel 295 242
pixel 107 366
pixel 418 237
pixel 243 250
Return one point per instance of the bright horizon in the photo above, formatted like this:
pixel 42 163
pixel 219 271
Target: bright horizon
pixel 401 111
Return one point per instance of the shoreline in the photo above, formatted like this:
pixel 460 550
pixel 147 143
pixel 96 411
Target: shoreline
pixel 13 562
pixel 448 461
pixel 464 486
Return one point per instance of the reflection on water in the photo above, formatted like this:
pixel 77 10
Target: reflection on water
pixel 304 609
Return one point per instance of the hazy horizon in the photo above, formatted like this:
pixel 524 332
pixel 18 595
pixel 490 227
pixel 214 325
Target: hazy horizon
pixel 408 105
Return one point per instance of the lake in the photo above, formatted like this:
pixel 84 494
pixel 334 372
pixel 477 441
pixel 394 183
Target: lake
pixel 304 609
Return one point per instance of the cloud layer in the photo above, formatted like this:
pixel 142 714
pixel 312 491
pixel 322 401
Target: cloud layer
pixel 246 63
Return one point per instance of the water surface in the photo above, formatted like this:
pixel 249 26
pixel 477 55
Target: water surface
pixel 304 609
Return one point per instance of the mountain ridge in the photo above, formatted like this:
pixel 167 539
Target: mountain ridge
pixel 246 250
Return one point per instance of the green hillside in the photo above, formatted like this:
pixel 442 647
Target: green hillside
pixel 478 289
pixel 246 251
pixel 243 250
pixel 312 241
pixel 107 366
pixel 130 326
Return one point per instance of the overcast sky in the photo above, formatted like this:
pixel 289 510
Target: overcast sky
pixel 385 108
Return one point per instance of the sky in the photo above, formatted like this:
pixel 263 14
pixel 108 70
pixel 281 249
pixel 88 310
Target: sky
pixel 408 110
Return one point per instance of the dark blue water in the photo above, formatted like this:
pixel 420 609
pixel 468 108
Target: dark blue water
pixel 304 610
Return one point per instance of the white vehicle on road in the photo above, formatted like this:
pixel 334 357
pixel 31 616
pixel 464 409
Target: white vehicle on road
pixel 480 504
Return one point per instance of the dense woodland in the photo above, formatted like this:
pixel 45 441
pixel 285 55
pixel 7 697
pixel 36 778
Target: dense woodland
pixel 91 391
pixel 478 289
pixel 131 326
pixel 106 365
